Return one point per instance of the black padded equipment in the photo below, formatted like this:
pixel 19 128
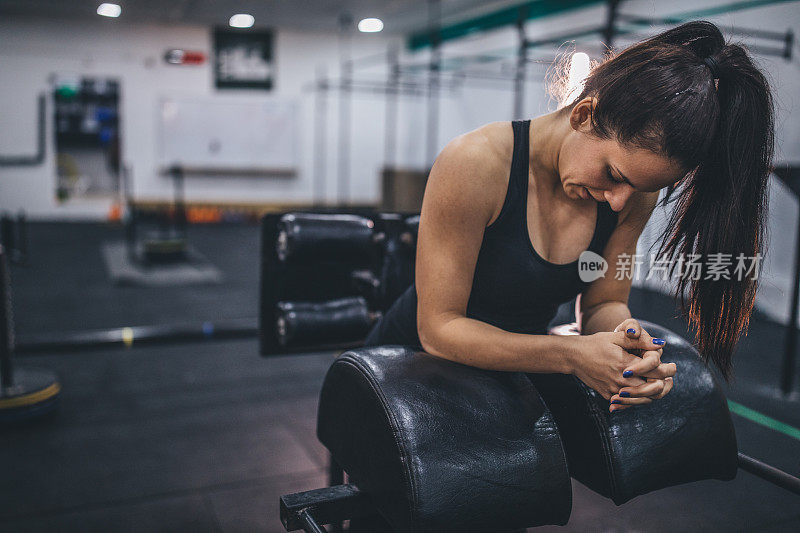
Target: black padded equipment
pixel 397 258
pixel 367 284
pixel 686 436
pixel 342 320
pixel 322 237
pixel 440 446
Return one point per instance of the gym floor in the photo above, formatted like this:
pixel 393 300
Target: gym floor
pixel 207 436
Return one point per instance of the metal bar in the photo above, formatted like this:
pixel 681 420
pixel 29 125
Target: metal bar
pixel 790 348
pixel 326 506
pixel 522 58
pixel 130 212
pixel 380 89
pixel 335 477
pixel 449 81
pixel 459 61
pixel 22 238
pixel 392 103
pixel 8 237
pixel 320 133
pixel 670 21
pixel 559 39
pixel 38 157
pixel 375 59
pixel 345 96
pixel 754 48
pixel 435 17
pixel 769 473
pixel 309 524
pixel 768 51
pixel 6 324
pixel 137 335
pixel 611 20
pixel 727 8
pixel 179 201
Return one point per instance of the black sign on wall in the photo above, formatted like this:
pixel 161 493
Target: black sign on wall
pixel 243 59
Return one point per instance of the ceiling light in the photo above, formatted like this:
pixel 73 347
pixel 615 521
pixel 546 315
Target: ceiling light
pixel 242 20
pixel 370 25
pixel 109 10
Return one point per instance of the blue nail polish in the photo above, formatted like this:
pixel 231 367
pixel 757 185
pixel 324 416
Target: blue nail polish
pixel 659 341
pixel 615 401
pixel 627 373
pixel 625 394
pixel 631 330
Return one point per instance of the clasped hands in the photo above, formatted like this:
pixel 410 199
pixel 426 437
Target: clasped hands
pixel 655 377
pixel 624 366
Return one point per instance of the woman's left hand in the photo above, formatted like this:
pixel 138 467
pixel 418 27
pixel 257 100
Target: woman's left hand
pixel 655 376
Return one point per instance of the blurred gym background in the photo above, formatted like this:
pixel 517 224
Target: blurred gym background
pixel 142 142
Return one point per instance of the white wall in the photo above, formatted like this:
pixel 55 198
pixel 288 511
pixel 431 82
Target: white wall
pixel 32 50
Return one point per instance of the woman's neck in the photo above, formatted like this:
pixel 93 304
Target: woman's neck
pixel 547 134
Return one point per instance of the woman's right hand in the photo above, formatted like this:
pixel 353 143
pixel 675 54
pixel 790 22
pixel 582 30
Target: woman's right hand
pixel 603 357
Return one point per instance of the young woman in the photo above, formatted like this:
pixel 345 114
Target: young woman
pixel 509 208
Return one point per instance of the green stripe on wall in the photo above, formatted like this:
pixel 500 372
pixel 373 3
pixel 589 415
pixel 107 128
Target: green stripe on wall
pixel 498 19
pixel 543 8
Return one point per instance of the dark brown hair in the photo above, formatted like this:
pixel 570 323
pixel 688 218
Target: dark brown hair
pixel 659 94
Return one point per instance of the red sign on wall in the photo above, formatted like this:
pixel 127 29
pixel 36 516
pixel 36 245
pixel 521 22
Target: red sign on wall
pixel 184 57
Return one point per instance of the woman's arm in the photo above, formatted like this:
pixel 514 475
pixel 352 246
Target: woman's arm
pixel 465 193
pixel 603 306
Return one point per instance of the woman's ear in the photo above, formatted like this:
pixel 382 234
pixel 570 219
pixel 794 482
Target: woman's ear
pixel 580 118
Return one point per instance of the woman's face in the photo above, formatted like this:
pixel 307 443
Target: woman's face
pixel 604 169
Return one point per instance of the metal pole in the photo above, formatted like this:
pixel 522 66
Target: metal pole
pixel 6 325
pixel 309 524
pixel 179 202
pixel 345 96
pixel 335 477
pixel 7 233
pixel 522 61
pixel 434 13
pixel 769 473
pixel 81 341
pixel 320 133
pixel 611 20
pixel 790 349
pixel 22 237
pixel 788 45
pixel 132 220
pixel 392 102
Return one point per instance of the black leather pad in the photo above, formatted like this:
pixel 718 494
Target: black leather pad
pixel 440 446
pixel 685 436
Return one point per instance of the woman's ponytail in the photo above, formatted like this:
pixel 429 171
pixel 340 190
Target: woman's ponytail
pixel 724 208
pixel 689 96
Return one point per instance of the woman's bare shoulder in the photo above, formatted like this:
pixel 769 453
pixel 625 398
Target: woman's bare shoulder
pixel 483 155
pixel 492 144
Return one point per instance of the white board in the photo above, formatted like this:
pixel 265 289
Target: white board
pixel 214 134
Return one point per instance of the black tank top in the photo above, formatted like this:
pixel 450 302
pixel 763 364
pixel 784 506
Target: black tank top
pixel 513 288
